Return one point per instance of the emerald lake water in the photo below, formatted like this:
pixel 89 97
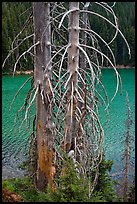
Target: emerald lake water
pixel 15 141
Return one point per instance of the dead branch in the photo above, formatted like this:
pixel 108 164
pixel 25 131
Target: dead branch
pixel 12 51
pixel 18 92
pixel 27 51
pixel 94 13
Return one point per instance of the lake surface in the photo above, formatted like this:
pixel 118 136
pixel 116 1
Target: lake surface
pixel 115 129
pixel 15 140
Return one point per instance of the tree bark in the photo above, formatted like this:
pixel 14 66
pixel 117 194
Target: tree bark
pixel 44 119
pixel 127 151
pixel 73 60
pixel 83 66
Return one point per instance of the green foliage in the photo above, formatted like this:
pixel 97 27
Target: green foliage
pixel 14 17
pixel 72 188
pixel 125 11
pixel 105 185
pixel 8 184
pixel 131 194
pixel 23 187
pixel 69 186
pixel 13 20
pixel 97 197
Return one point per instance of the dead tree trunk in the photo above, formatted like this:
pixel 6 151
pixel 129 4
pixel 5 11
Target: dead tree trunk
pixel 83 61
pixel 44 119
pixel 83 66
pixel 73 60
pixel 127 151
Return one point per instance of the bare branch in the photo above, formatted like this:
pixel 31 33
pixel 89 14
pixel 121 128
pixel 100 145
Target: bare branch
pixel 102 41
pixel 115 18
pixel 75 9
pixel 117 74
pixel 25 24
pixel 11 51
pixel 18 92
pixel 30 104
pixel 94 13
pixel 27 51
pixel 54 57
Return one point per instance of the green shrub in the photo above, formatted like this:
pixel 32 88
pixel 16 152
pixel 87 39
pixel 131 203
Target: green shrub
pixel 104 189
pixel 8 185
pixel 131 194
pixel 69 186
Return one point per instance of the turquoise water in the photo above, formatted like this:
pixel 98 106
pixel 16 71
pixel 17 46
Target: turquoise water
pixel 115 129
pixel 14 141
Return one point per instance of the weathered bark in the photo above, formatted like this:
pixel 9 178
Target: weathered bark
pixel 44 119
pixel 73 60
pixel 83 61
pixel 127 151
pixel 83 66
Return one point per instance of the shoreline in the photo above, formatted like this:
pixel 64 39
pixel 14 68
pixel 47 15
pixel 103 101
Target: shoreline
pixel 120 67
pixel 30 72
pixel 27 72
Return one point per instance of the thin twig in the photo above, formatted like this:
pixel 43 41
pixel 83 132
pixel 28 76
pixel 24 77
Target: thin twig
pixel 18 92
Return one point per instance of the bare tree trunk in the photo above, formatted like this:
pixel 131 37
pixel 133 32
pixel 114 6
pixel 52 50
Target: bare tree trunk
pixel 127 150
pixel 83 61
pixel 73 60
pixel 44 119
pixel 83 66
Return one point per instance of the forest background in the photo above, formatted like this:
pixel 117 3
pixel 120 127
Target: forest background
pixel 14 15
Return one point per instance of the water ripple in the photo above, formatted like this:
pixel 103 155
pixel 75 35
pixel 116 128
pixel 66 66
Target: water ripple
pixel 15 142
